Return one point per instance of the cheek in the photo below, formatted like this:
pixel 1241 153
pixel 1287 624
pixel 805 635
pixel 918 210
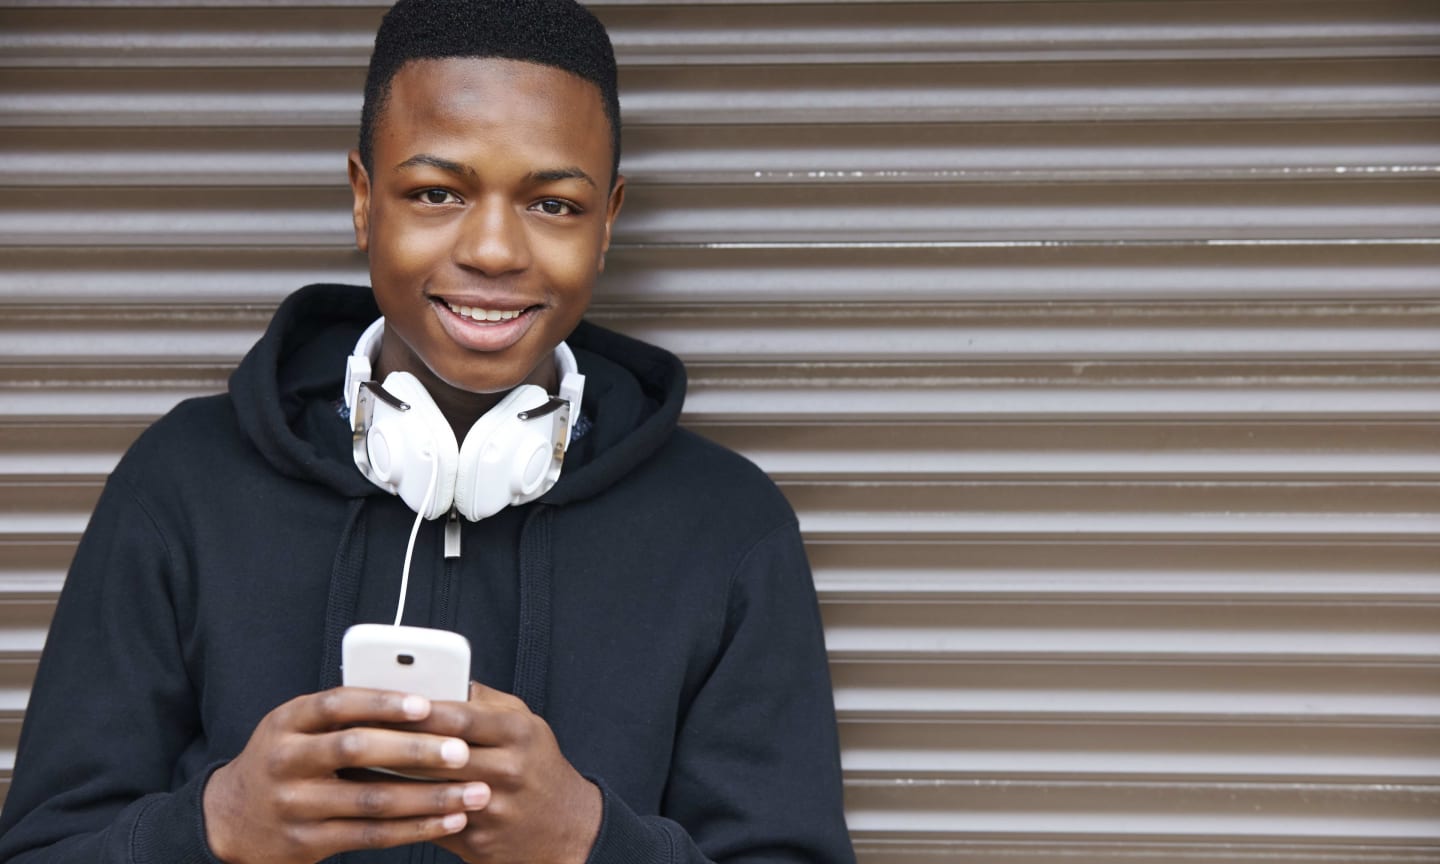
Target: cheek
pixel 399 247
pixel 570 282
pixel 572 263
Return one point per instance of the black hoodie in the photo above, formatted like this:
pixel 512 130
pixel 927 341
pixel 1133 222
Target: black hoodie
pixel 655 608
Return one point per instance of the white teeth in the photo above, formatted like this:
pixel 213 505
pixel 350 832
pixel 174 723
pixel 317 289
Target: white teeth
pixel 475 313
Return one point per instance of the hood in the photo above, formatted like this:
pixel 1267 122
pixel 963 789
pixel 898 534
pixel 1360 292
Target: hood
pixel 287 388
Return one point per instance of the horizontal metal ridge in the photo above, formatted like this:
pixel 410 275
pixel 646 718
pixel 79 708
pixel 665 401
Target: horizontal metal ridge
pixel 1035 152
pixel 67 157
pixel 1312 571
pixel 1176 752
pixel 58 508
pixel 1120 635
pixel 847 93
pixel 1328 572
pixel 125 394
pixel 1399 813
pixel 904 273
pixel 850 332
pixel 1079 450
pixel 1159 631
pixel 1036 92
pixel 204 333
pixel 175 275
pixel 1333 212
pixel 880 511
pixel 750 34
pixel 1096 391
pixel 939 331
pixel 1116 211
pixel 32 584
pixel 1256 452
pixel 1219 850
pixel 992 754
pixel 823 393
pixel 1245 694
pixel 23 625
pixel 79 450
pixel 1358 588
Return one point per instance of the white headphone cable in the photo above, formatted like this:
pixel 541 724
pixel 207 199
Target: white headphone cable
pixel 414 532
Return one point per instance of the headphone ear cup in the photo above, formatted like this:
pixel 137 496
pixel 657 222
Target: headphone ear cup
pixel 406 443
pixel 505 460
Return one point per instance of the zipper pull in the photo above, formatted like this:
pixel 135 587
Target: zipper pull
pixel 452 534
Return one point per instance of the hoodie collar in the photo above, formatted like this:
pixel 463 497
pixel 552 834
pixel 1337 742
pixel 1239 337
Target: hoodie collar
pixel 634 394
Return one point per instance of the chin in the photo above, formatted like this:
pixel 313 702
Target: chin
pixel 483 385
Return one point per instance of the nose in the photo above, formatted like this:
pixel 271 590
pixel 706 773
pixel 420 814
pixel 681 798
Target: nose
pixel 492 239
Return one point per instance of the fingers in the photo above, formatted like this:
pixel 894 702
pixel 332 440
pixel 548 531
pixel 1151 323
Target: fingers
pixel 371 747
pixel 497 699
pixel 346 706
pixel 480 693
pixel 385 800
pixel 491 718
pixel 348 834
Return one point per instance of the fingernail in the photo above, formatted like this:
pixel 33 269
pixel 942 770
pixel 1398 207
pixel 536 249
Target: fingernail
pixel 415 707
pixel 454 822
pixel 476 795
pixel 455 752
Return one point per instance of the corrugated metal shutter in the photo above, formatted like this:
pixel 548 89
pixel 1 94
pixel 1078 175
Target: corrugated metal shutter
pixel 1096 343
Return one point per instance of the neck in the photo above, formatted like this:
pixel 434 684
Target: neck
pixel 461 408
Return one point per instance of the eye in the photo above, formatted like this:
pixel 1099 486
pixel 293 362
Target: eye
pixel 556 207
pixel 435 196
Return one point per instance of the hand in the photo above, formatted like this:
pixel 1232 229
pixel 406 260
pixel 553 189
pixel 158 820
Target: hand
pixel 281 800
pixel 541 809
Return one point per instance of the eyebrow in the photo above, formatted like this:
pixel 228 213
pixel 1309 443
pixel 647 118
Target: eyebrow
pixel 447 165
pixel 450 166
pixel 571 173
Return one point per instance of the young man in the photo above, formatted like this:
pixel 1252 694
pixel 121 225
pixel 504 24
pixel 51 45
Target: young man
pixel 652 613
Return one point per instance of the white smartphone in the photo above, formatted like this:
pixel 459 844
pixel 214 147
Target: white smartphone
pixel 420 660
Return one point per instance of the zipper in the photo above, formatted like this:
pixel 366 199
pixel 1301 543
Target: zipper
pixel 447 580
pixel 452 535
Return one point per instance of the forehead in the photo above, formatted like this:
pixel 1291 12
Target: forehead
pixel 487 97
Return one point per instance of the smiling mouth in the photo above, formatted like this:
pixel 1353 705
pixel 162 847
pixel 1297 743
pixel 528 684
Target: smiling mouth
pixel 485 316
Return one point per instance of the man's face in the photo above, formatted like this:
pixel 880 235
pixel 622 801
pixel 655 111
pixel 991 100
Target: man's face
pixel 486 219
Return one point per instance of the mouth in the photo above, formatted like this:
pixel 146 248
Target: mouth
pixel 484 328
pixel 484 315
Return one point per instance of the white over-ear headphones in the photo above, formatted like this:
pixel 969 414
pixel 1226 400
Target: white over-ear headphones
pixel 404 445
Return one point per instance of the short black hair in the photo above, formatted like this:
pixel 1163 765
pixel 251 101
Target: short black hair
pixel 558 33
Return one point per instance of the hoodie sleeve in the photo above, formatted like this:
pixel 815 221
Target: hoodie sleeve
pixel 111 711
pixel 756 768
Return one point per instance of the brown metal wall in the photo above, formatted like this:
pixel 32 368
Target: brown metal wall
pixel 1096 344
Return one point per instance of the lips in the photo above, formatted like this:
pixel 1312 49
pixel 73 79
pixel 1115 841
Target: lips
pixel 484 328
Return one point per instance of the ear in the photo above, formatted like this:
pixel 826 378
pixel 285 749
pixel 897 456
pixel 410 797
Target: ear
pixel 612 209
pixel 360 208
